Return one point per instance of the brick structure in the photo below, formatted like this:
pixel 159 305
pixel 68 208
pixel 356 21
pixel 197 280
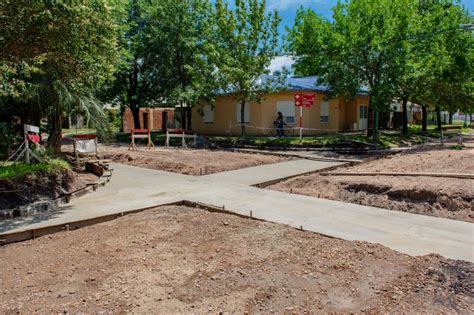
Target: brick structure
pixel 150 118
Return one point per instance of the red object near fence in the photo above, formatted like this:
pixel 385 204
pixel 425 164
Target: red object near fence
pixel 34 138
pixel 84 136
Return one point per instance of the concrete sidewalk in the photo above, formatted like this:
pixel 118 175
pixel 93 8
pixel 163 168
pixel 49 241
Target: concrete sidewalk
pixel 265 173
pixel 132 188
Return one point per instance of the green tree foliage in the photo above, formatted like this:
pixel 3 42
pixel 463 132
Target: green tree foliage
pixel 413 50
pixel 436 67
pixel 54 57
pixel 453 87
pixel 179 58
pixel 127 87
pixel 247 42
pixel 356 50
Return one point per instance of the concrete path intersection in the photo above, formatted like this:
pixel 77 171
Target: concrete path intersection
pixel 133 188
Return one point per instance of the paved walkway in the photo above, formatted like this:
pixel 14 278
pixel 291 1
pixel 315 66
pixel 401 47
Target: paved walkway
pixel 265 173
pixel 132 188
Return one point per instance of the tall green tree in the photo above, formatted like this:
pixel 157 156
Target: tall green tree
pixel 357 50
pixel 180 55
pixel 247 42
pixel 437 69
pixel 453 87
pixel 127 87
pixel 55 56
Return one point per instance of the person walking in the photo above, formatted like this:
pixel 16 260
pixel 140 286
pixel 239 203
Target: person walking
pixel 279 124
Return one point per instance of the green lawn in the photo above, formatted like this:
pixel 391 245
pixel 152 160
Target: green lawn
pixel 385 139
pixel 73 131
pixel 12 170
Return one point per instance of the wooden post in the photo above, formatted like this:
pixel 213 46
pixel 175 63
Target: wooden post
pixel 27 145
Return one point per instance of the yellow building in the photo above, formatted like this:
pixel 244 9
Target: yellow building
pixel 327 115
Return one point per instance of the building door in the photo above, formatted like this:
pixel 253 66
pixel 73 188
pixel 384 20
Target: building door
pixel 363 116
pixel 145 120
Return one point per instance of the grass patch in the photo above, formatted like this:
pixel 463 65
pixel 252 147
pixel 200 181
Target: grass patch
pixel 12 170
pixel 383 141
pixel 386 139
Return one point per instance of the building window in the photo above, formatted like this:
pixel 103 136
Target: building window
pixel 208 114
pixel 287 108
pixel 324 112
pixel 246 113
pixel 363 111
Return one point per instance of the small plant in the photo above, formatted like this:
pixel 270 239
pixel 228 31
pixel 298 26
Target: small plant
pixel 456 147
pixel 12 170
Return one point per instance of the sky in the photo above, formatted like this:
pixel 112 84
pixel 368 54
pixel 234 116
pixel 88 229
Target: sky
pixel 287 10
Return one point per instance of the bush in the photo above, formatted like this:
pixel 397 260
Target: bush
pixel 13 170
pixel 8 139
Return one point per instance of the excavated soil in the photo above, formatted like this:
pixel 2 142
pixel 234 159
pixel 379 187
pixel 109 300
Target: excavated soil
pixel 186 161
pixel 184 260
pixel 30 188
pixel 441 197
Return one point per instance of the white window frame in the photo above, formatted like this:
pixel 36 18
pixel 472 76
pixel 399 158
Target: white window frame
pixel 287 108
pixel 324 112
pixel 208 114
pixel 364 114
pixel 246 113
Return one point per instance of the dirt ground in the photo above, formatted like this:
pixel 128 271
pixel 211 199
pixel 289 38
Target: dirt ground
pixel 179 259
pixel 41 185
pixel 441 197
pixel 186 161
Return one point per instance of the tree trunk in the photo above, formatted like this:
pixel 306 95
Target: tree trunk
pixel 370 121
pixel 242 118
pixel 132 95
pixel 136 116
pixel 183 116
pixel 424 120
pixel 405 116
pixel 55 121
pixel 450 118
pixel 188 118
pixel 438 118
pixel 375 134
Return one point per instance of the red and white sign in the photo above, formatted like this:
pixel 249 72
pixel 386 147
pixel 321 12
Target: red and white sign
pixel 304 99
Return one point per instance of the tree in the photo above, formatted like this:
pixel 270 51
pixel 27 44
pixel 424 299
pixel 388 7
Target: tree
pixel 127 87
pixel 247 42
pixel 357 50
pixel 453 88
pixel 442 58
pixel 64 51
pixel 179 58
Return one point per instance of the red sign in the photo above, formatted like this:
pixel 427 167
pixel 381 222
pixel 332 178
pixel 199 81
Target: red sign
pixel 304 99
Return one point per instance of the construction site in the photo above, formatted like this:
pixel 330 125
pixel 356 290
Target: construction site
pixel 183 230
pixel 236 157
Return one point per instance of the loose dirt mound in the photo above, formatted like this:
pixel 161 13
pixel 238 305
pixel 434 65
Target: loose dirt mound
pixel 187 161
pixel 39 186
pixel 178 259
pixel 441 197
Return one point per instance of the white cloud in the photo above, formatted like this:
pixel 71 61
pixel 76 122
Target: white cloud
pixel 282 5
pixel 279 62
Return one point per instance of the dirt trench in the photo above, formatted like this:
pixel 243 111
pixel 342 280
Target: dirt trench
pixel 41 185
pixel 408 195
